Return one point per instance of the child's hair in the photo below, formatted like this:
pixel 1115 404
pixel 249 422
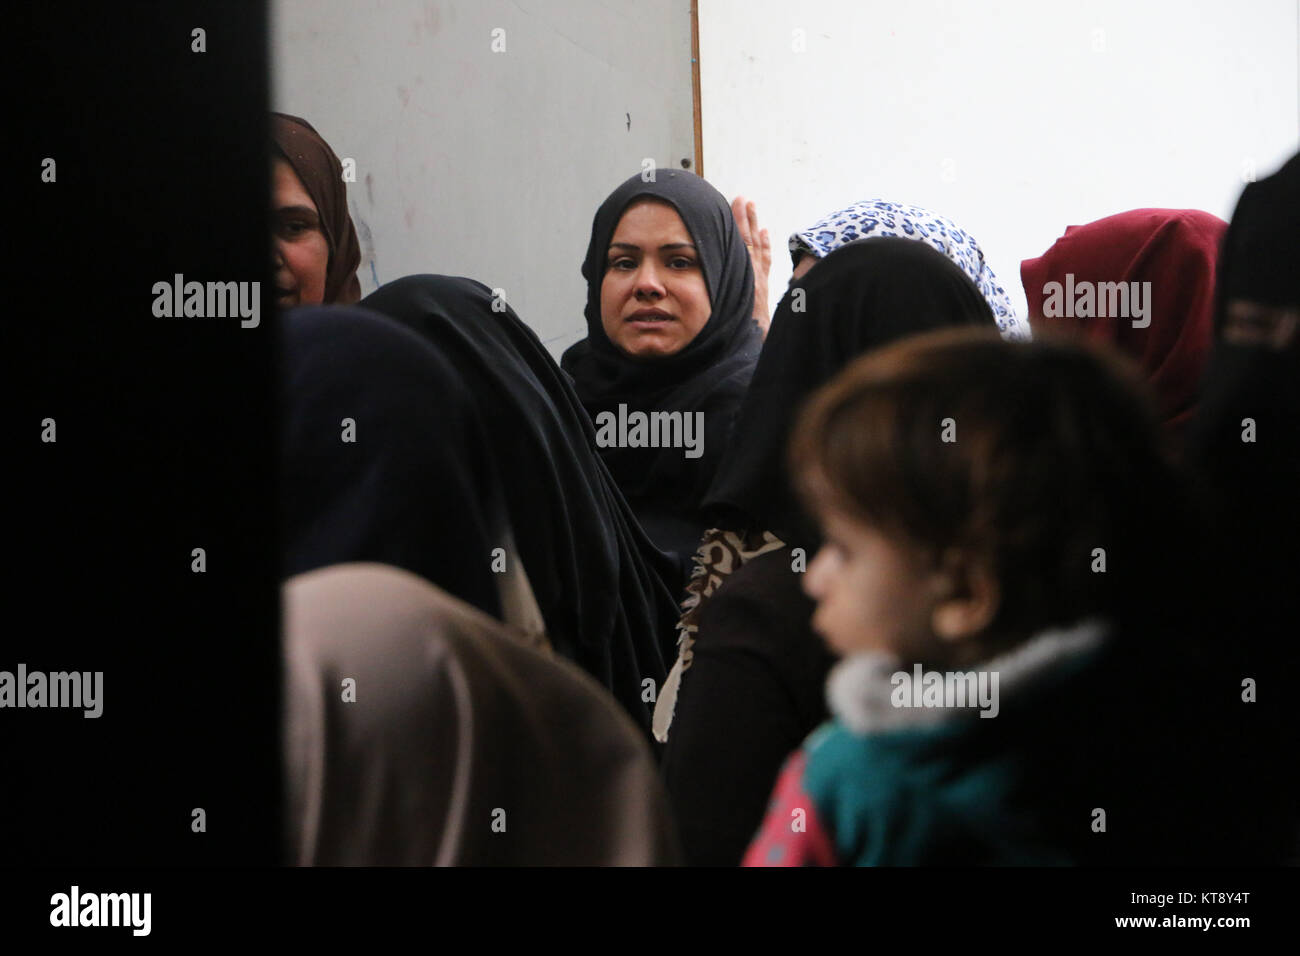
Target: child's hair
pixel 1029 456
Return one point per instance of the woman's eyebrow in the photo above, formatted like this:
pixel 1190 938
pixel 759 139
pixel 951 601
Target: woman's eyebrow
pixel 666 245
pixel 296 211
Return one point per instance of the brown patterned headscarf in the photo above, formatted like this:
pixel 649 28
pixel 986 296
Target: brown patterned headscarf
pixel 322 176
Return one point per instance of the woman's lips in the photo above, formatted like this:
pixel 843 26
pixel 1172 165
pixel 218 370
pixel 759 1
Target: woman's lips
pixel 649 317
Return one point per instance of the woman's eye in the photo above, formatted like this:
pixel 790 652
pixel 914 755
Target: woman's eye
pixel 681 262
pixel 622 264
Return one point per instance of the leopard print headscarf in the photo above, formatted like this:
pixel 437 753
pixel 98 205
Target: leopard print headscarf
pixel 876 217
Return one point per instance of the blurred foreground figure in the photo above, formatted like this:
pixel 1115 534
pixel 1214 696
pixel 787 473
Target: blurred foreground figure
pixel 418 732
pixel 1245 444
pixel 963 580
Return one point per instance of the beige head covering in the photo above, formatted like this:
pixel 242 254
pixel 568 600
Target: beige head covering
pixel 460 746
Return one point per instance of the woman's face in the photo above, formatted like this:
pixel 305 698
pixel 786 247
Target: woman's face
pixel 653 300
pixel 1253 323
pixel 301 254
pixel 805 264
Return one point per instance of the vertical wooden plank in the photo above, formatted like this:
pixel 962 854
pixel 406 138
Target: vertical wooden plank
pixel 695 87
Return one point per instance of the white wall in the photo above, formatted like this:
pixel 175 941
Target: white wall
pixel 488 164
pixel 1043 115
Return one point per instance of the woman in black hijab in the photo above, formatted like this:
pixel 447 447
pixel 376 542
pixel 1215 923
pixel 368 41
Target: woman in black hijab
pixel 750 669
pixel 383 457
pixel 1247 438
pixel 599 582
pixel 1245 444
pixel 670 329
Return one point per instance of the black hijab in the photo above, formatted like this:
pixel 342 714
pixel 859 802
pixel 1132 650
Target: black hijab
pixel 860 297
pixel 1260 249
pixel 709 375
pixel 416 489
pixel 599 582
pixel 1257 263
pixel 1251 485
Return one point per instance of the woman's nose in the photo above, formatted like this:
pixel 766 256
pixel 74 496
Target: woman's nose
pixel 647 281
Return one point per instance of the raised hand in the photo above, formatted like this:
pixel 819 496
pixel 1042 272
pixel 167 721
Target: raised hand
pixel 759 245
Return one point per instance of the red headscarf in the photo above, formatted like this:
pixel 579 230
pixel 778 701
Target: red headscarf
pixel 1176 250
pixel 322 176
